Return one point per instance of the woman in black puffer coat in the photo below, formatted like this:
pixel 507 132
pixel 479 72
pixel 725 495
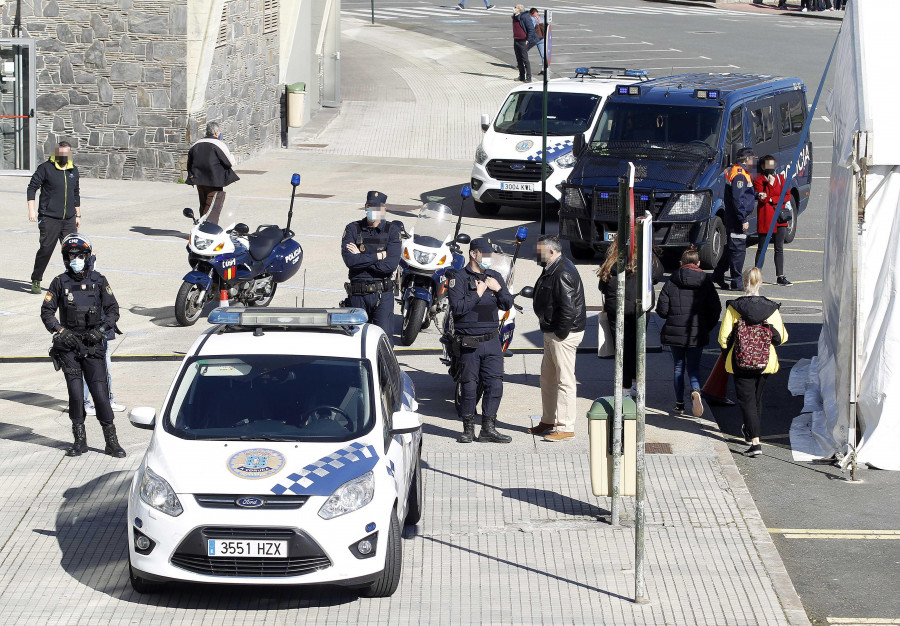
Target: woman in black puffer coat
pixel 690 305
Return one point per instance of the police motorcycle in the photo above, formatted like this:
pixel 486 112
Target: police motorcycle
pixel 233 264
pixel 429 251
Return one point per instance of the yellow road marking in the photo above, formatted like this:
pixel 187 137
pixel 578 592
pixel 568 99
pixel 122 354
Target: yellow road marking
pixel 800 282
pixel 834 533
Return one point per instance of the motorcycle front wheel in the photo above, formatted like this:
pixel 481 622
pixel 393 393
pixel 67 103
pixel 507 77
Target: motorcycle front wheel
pixel 189 303
pixel 412 321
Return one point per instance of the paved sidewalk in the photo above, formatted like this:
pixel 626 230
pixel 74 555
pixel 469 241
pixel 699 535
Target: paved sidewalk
pixel 511 534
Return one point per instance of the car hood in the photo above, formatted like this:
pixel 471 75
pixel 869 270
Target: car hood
pixel 525 147
pixel 650 173
pixel 260 467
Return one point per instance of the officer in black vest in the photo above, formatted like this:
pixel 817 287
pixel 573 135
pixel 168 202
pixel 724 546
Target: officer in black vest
pixel 476 294
pixel 87 312
pixel 371 248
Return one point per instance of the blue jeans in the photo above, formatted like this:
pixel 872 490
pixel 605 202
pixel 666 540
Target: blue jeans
pixel 688 358
pixel 540 47
pixel 108 379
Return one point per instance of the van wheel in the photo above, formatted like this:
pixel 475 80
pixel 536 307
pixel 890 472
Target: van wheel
pixel 386 584
pixel 486 208
pixel 581 252
pixel 792 225
pixel 712 250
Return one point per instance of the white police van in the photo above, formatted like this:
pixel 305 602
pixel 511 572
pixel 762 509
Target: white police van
pixel 507 168
pixel 287 452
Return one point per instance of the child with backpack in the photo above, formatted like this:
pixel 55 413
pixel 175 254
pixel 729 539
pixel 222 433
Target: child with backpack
pixel 750 330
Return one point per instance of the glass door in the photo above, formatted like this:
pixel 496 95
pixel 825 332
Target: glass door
pixel 17 123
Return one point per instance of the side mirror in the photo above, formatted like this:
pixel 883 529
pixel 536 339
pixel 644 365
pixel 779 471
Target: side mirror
pixel 527 292
pixel 485 122
pixel 188 213
pixel 579 144
pixel 143 417
pixel 241 229
pixel 463 239
pixel 404 422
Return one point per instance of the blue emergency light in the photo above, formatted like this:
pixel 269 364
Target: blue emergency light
pixel 706 94
pixel 581 70
pixel 466 191
pixel 295 180
pixel 628 90
pixel 636 73
pixel 521 234
pixel 604 195
pixel 645 197
pixel 285 317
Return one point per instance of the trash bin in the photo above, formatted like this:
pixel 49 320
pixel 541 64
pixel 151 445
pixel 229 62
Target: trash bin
pixel 600 427
pixel 296 104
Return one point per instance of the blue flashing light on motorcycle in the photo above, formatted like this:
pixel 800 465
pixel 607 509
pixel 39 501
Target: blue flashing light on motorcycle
pixel 521 234
pixel 466 191
pixel 295 180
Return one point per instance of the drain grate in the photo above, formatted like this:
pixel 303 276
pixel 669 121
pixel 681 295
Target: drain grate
pixel 658 448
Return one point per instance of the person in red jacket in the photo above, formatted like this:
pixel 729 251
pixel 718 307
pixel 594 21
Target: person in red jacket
pixel 768 185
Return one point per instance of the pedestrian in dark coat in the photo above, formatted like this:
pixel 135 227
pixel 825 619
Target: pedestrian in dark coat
pixel 608 286
pixel 523 34
pixel 209 166
pixel 690 305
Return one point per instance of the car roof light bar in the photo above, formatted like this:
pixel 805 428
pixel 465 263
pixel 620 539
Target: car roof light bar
pixel 253 317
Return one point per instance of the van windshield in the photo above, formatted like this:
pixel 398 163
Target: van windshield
pixel 658 126
pixel 567 113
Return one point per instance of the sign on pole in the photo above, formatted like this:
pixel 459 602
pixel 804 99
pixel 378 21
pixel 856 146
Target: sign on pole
pixel 647 261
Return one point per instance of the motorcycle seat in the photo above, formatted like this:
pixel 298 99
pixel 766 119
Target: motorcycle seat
pixel 264 241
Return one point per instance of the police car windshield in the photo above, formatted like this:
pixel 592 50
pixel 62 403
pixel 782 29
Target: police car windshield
pixel 271 397
pixel 658 126
pixel 433 225
pixel 567 113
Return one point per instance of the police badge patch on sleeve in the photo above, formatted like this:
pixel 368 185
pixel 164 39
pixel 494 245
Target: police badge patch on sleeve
pixel 740 184
pixel 48 297
pixel 109 290
pixel 452 283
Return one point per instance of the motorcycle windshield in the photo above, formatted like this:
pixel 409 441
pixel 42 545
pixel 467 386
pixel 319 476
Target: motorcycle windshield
pixel 434 225
pixel 222 213
pixel 502 264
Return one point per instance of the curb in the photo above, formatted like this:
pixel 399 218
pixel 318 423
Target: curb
pixel 725 5
pixel 762 540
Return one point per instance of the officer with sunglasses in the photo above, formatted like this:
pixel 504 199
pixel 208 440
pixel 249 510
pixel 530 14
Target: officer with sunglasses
pixel 87 312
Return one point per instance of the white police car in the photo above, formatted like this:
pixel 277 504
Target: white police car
pixel 287 452
pixel 507 169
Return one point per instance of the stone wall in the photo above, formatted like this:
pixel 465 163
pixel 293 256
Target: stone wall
pixel 111 80
pixel 243 92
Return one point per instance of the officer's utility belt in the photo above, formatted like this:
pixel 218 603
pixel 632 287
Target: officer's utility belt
pixel 362 287
pixel 472 341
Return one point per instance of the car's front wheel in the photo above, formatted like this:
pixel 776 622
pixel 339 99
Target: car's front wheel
pixel 142 585
pixel 415 498
pixel 386 584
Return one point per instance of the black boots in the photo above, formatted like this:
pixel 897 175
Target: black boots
pixel 80 446
pixel 489 432
pixel 468 433
pixel 112 441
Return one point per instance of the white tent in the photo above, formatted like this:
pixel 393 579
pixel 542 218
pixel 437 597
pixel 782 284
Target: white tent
pixel 855 379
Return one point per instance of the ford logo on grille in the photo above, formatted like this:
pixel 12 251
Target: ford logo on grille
pixel 249 502
pixel 517 166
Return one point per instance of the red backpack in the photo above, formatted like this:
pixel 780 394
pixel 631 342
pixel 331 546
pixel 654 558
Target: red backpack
pixel 752 343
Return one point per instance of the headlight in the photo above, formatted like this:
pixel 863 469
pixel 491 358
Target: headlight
pixel 424 258
pixel 480 155
pixel 156 492
pixel 566 160
pixel 687 204
pixel 574 198
pixel 352 495
pixel 202 244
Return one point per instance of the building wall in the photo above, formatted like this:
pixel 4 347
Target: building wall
pixel 111 80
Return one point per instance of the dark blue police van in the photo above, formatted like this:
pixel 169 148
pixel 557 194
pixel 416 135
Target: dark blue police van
pixel 681 133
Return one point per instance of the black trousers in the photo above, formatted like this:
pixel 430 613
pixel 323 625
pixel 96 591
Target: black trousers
pixel 92 369
pixel 778 241
pixel 380 309
pixel 733 259
pixel 629 352
pixel 749 389
pixel 52 231
pixel 482 365
pixel 521 49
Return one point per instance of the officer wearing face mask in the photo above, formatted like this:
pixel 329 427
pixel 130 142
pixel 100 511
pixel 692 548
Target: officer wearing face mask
pixel 371 250
pixel 87 312
pixel 476 294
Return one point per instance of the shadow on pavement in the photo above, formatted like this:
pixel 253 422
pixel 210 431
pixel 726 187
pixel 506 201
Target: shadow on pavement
pixel 159 232
pixel 15 285
pixel 165 315
pixel 91 533
pixel 31 398
pixel 14 432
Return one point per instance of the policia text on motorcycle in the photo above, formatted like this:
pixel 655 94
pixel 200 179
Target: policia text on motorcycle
pixel 476 294
pixel 87 311
pixel 371 249
pixel 740 200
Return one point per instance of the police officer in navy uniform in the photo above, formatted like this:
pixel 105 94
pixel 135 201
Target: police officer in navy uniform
pixel 476 293
pixel 87 312
pixel 371 249
pixel 740 200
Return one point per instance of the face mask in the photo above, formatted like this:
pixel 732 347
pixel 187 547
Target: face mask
pixel 373 215
pixel 484 263
pixel 768 172
pixel 62 161
pixel 77 265
pixel 219 136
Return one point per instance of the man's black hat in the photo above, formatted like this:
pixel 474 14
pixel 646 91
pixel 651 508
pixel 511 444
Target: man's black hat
pixel 375 198
pixel 744 153
pixel 482 244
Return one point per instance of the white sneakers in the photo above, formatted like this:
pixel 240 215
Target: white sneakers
pixel 116 407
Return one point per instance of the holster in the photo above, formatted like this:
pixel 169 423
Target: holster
pixel 54 357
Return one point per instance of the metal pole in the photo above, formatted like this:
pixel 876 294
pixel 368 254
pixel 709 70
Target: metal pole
pixel 640 592
pixel 373 12
pixel 544 142
pixel 620 353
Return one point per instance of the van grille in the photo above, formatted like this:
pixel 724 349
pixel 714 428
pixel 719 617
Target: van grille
pixel 517 171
